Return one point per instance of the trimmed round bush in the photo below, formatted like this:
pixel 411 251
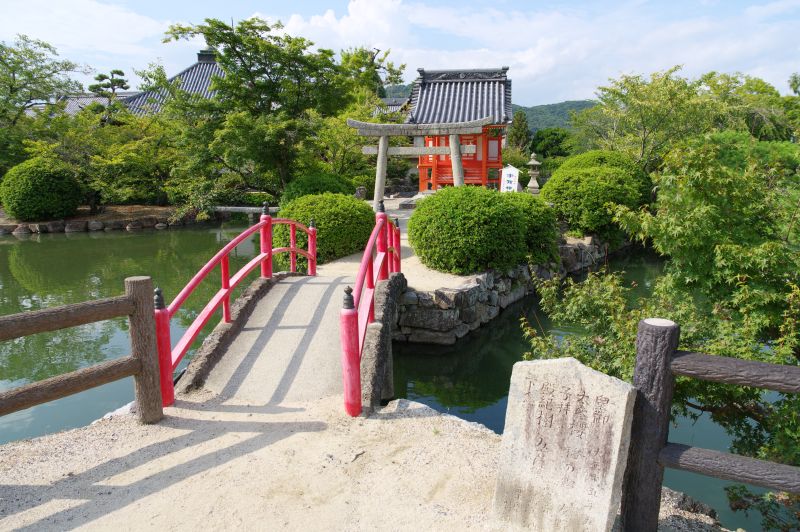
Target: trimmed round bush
pixel 343 224
pixel 466 229
pixel 584 186
pixel 541 231
pixel 40 188
pixel 366 181
pixel 316 184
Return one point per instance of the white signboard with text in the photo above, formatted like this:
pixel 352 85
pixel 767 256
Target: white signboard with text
pixel 509 180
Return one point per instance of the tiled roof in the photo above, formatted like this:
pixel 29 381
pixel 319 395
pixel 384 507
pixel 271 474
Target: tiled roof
pixel 195 80
pixel 447 96
pixel 78 102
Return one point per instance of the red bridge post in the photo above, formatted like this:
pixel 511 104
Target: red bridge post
pixel 351 363
pixel 266 241
pixel 164 346
pixel 312 248
pixel 382 242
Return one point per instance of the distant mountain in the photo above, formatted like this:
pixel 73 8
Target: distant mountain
pixel 398 91
pixel 552 114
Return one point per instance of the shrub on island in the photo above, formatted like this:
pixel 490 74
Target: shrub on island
pixel 468 229
pixel 343 224
pixel 40 188
pixel 366 181
pixel 585 185
pixel 541 231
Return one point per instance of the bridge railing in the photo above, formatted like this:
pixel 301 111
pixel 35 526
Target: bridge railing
pixel 170 357
pixel 381 257
pixel 142 363
pixel 657 363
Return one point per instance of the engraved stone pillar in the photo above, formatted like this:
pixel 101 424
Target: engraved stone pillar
pixel 455 159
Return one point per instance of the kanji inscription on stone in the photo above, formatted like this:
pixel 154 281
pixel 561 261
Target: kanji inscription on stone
pixel 564 448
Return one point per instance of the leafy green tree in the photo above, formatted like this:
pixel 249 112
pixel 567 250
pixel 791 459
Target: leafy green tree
pixel 794 83
pixel 552 142
pixel 31 74
pixel 644 117
pixel 371 69
pixel 519 134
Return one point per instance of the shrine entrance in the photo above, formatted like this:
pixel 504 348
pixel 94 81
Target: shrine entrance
pixel 452 148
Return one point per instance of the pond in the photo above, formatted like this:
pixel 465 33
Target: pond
pixel 470 380
pixel 48 270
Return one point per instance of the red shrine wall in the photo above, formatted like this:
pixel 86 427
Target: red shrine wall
pixel 481 168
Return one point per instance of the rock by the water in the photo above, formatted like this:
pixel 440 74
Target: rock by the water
pixel 95 225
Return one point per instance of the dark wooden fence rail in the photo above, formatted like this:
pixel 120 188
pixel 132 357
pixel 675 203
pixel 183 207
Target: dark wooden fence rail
pixel 142 364
pixel 657 363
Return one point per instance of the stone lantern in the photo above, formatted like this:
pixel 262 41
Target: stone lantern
pixel 534 170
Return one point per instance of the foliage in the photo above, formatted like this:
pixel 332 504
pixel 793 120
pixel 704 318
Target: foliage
pixel 398 91
pixel 541 232
pixel 31 74
pixel 643 117
pixel 518 135
pixel 343 224
pixel 584 188
pixel 552 142
pixel 254 198
pixel 552 115
pixel 316 184
pixel 40 189
pixel 468 229
pixel 371 69
pixel 366 181
pixel 726 215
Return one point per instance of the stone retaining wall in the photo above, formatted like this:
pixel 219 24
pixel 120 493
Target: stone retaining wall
pixel 80 226
pixel 447 314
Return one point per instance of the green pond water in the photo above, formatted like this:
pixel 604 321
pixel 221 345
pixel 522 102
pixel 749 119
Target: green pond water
pixel 469 380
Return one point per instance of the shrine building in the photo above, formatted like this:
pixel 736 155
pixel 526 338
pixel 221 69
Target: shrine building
pixel 455 96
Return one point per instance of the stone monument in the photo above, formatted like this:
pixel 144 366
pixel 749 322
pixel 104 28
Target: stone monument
pixel 564 448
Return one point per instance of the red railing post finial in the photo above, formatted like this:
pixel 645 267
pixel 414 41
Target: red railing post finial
pixel 351 355
pixel 164 346
pixel 266 241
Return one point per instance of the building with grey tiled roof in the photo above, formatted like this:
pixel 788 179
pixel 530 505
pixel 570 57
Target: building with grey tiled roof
pixel 195 80
pixel 448 96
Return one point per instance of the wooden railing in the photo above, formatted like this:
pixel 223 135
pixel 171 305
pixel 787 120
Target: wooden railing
pixel 657 362
pixel 170 357
pixel 142 363
pixel 381 257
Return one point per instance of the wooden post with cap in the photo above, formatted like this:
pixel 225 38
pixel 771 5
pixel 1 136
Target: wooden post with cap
pixel 312 247
pixel 351 363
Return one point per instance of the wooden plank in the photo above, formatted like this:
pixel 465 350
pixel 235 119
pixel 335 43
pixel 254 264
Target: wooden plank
pixel 147 382
pixel 368 129
pixel 733 467
pixel 656 342
pixel 416 151
pixel 60 386
pixel 53 319
pixel 737 371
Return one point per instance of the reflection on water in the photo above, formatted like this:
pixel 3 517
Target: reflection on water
pixel 470 380
pixel 48 270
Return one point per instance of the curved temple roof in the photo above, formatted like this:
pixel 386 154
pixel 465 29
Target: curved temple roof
pixel 447 96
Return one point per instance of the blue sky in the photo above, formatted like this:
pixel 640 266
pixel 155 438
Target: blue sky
pixel 555 50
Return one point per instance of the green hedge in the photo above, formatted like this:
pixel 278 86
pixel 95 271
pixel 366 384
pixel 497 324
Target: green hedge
pixel 583 187
pixel 343 224
pixel 541 231
pixel 317 183
pixel 40 188
pixel 466 229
